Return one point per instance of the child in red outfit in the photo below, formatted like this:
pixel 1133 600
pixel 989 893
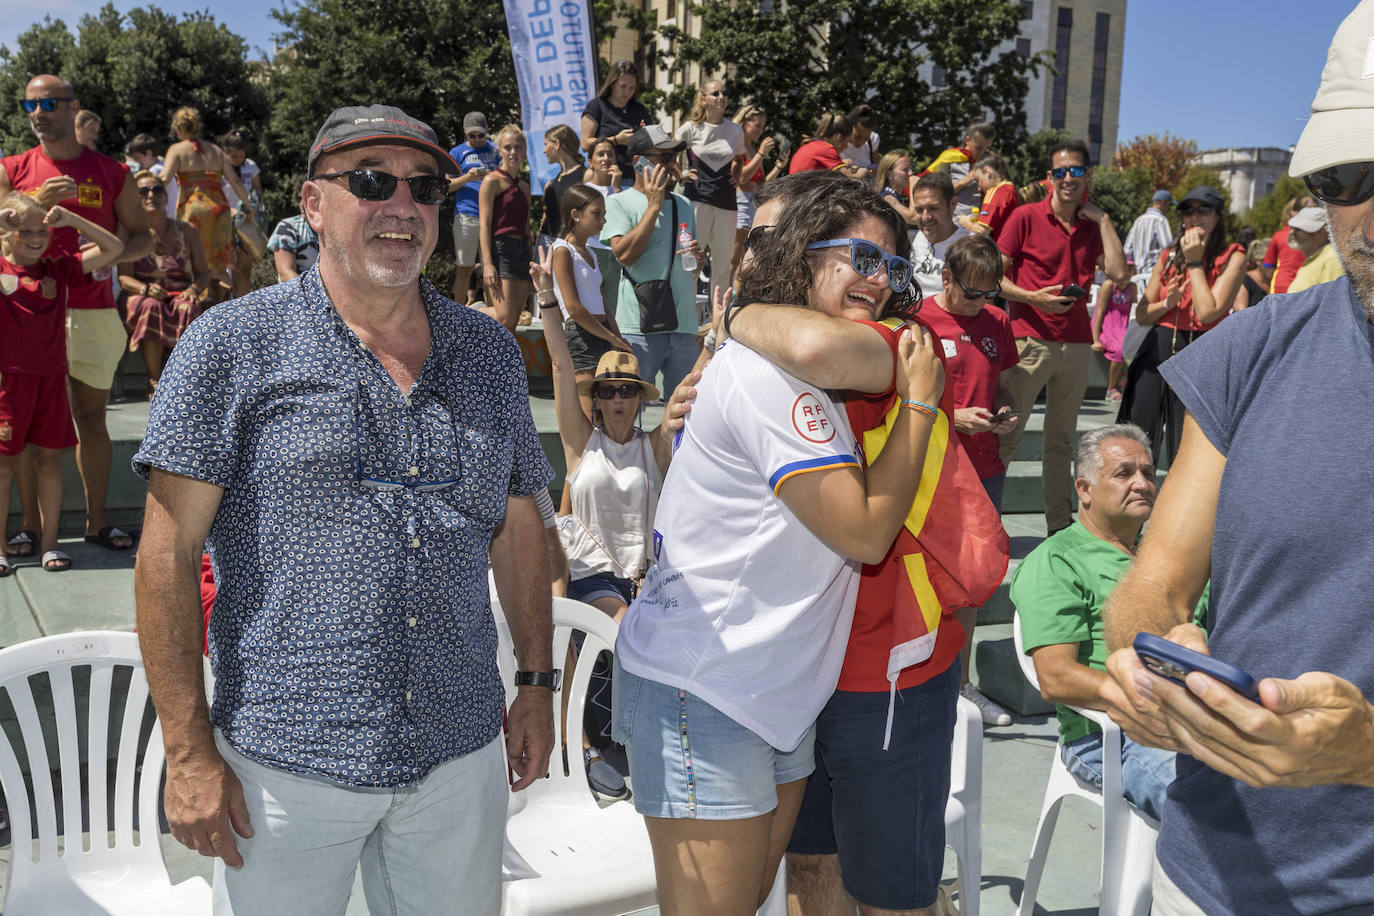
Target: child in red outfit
pixel 34 411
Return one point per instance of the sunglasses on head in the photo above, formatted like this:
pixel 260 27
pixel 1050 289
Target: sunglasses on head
pixel 30 105
pixel 755 236
pixel 1077 171
pixel 1190 209
pixel 370 184
pixel 151 191
pixel 1343 185
pixel 607 392
pixel 867 259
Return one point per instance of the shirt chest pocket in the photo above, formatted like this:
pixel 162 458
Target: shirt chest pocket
pixel 484 473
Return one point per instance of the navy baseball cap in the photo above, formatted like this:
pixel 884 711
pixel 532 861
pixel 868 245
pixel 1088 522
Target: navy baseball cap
pixel 373 125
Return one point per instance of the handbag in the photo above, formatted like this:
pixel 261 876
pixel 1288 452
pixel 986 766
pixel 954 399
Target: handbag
pixel 250 235
pixel 657 308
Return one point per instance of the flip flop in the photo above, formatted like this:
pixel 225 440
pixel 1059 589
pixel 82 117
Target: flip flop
pixel 23 543
pixel 6 567
pixel 105 538
pixel 62 561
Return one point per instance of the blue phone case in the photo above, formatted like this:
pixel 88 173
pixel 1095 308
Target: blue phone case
pixel 1172 661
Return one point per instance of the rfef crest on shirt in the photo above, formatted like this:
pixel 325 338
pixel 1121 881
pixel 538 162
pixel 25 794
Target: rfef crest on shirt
pixel 990 348
pixel 810 420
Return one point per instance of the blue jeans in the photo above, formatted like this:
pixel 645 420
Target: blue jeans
pixel 1146 772
pixel 422 848
pixel 673 353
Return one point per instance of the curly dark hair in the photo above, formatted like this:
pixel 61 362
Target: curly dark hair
pixel 780 270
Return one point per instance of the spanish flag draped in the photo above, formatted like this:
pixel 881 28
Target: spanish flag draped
pixel 953 545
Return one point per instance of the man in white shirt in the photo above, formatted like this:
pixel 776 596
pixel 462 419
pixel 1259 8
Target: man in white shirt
pixel 1150 234
pixel 932 199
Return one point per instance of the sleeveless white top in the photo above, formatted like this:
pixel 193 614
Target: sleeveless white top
pixel 587 278
pixel 614 495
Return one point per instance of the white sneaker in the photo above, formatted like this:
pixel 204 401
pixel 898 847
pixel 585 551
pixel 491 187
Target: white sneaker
pixel 992 713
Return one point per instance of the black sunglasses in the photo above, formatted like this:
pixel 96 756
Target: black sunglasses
pixel 607 392
pixel 30 105
pixel 755 236
pixel 1343 185
pixel 1190 209
pixel 978 293
pixel 370 184
pixel 151 191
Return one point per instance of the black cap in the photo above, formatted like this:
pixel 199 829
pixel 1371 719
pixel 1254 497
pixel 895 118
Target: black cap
pixel 371 125
pixel 651 136
pixel 1204 195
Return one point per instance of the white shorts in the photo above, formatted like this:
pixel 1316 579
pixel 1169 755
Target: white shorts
pixel 465 239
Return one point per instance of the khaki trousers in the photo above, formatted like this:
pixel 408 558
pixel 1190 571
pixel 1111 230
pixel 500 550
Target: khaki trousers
pixel 1061 371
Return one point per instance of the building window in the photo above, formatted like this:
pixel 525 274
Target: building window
pixel 1027 9
pixel 1023 47
pixel 937 77
pixel 672 8
pixel 1098 98
pixel 1059 98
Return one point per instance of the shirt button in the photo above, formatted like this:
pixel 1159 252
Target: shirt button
pixel 409 696
pixel 407 400
pixel 414 542
pixel 413 470
pixel 412 621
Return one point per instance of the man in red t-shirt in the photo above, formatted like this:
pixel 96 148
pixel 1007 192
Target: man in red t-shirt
pixel 1046 247
pixel 59 170
pixel 1281 260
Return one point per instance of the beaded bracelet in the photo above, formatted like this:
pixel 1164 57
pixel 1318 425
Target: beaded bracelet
pixel 920 407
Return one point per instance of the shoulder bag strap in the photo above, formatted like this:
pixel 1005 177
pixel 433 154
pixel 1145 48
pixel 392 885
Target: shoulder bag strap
pixel 671 241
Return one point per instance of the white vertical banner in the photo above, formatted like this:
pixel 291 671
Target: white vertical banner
pixel 555 65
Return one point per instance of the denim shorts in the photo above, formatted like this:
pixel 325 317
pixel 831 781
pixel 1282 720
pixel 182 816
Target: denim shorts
pixel 601 585
pixel 586 348
pixel 512 254
pixel 690 760
pixel 883 812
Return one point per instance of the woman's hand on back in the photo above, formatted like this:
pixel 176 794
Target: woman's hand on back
pixel 920 374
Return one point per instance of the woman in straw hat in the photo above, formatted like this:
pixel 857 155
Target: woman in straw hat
pixel 615 471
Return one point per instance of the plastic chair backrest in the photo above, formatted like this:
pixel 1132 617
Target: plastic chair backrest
pixel 58 657
pixel 569 616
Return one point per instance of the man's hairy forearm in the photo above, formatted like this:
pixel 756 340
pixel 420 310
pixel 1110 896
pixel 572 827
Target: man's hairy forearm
pixel 519 561
pixel 170 636
pixel 1142 603
pixel 824 351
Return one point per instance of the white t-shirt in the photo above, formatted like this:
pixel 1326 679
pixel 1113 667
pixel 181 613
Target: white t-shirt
pixel 862 155
pixel 246 173
pixel 715 144
pixel 586 277
pixel 928 260
pixel 746 608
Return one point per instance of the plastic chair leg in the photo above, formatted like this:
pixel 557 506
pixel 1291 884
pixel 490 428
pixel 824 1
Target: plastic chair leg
pixel 1044 831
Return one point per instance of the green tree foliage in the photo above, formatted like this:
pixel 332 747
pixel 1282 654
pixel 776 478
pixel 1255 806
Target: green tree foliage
pixel 1266 216
pixel 800 58
pixel 1163 157
pixel 1123 193
pixel 134 70
pixel 1028 157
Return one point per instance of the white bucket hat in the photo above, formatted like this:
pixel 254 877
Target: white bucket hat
pixel 1341 128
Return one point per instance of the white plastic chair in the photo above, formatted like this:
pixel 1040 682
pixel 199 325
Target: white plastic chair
pixel 1128 834
pixel 116 874
pixel 963 815
pixel 564 852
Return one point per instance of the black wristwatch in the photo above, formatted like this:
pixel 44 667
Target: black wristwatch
pixel 550 679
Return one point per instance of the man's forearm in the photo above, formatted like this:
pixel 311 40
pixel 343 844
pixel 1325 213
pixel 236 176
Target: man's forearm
pixel 1142 603
pixel 1113 256
pixel 519 562
pixel 827 352
pixel 170 634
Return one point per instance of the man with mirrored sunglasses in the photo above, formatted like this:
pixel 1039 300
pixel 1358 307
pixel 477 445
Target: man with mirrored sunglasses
pixel 1273 798
pixel 356 447
pixel 1047 247
pixel 59 170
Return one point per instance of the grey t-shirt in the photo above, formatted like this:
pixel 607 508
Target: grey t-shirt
pixel 1284 390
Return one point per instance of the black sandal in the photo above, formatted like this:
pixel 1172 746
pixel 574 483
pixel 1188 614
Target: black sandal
pixel 105 537
pixel 23 544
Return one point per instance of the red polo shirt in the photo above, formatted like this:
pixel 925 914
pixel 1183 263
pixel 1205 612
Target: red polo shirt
pixel 99 179
pixel 1042 254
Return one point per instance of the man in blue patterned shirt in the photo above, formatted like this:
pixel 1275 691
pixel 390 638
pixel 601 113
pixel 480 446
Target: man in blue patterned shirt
pixel 354 446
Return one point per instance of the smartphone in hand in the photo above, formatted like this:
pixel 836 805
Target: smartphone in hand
pixel 1171 661
pixel 1073 291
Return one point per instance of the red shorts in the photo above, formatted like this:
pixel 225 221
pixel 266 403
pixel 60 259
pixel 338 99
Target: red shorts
pixel 34 411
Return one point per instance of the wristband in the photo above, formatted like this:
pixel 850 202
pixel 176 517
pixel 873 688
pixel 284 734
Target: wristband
pixel 1194 264
pixel 146 286
pixel 709 341
pixel 920 407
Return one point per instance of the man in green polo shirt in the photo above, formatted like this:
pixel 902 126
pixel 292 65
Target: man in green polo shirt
pixel 1059 591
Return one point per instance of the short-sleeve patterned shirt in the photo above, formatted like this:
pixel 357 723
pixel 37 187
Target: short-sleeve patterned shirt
pixel 294 234
pixel 352 636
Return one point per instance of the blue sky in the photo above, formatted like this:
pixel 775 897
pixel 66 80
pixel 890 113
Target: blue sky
pixel 1222 72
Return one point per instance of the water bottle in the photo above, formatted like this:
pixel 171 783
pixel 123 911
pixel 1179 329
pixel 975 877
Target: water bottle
pixel 684 242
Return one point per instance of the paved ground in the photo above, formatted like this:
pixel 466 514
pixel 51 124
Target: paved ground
pixel 98 594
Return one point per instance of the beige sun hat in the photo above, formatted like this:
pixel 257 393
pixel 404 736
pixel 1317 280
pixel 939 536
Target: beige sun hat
pixel 617 366
pixel 1341 128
